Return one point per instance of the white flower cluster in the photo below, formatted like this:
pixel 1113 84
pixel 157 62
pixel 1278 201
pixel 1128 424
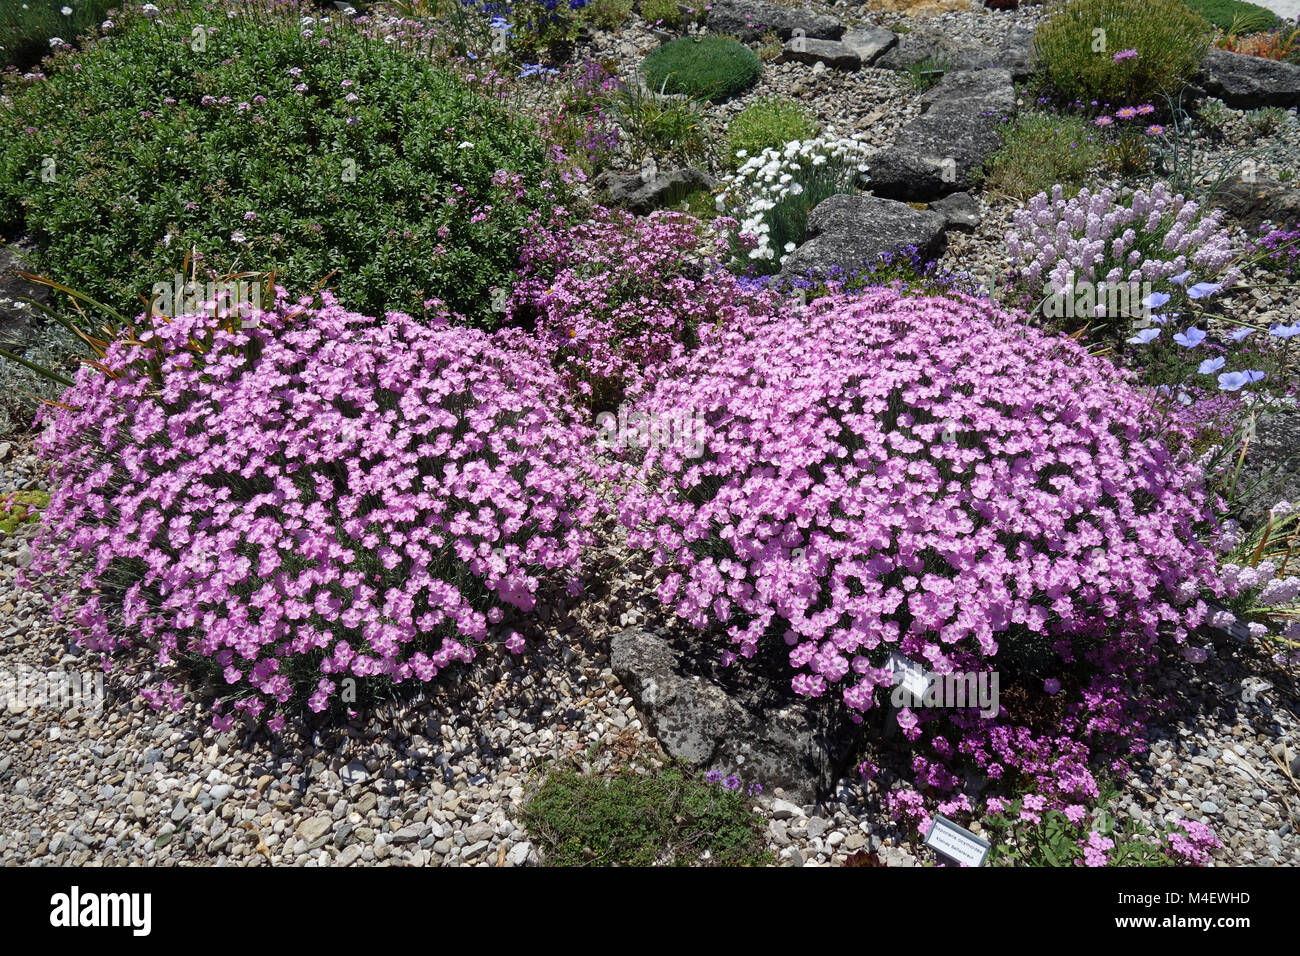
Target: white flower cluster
pixel 800 172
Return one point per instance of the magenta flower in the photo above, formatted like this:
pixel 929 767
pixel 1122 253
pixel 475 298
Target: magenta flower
pixel 1123 55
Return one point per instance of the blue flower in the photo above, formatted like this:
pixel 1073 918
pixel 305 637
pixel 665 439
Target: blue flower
pixel 1155 300
pixel 1210 366
pixel 1180 278
pixel 1143 337
pixel 1202 289
pixel 1231 381
pixel 1241 334
pixel 1284 331
pixel 1191 338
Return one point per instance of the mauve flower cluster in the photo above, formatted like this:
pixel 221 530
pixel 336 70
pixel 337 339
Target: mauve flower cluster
pixel 618 296
pixel 928 477
pixel 1095 238
pixel 317 497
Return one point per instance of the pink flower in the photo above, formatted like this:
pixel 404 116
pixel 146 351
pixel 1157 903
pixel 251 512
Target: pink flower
pixel 1123 55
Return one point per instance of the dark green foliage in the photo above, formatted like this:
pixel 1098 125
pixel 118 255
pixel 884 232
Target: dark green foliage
pixel 640 819
pixel 154 148
pixel 710 67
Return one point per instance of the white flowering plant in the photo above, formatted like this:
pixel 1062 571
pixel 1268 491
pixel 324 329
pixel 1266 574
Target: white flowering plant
pixel 772 194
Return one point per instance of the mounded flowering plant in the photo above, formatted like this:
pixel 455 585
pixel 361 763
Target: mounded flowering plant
pixel 615 298
pixel 1154 237
pixel 928 477
pixel 318 497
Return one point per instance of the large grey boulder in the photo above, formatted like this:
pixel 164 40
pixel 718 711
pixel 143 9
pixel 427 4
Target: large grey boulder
pixel 1254 203
pixel 653 189
pixel 792 744
pixel 924 44
pixel 870 44
pixel 836 55
pixel 1248 82
pixel 937 153
pixel 750 19
pixel 972 91
pixel 846 232
pixel 934 155
pixel 1017 54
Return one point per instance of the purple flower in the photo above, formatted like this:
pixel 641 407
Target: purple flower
pixel 1123 55
pixel 1052 686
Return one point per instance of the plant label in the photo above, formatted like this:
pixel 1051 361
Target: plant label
pixel 956 843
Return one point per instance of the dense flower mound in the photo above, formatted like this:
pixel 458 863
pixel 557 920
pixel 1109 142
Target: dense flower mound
pixel 616 298
pixel 925 476
pixel 1096 237
pixel 319 497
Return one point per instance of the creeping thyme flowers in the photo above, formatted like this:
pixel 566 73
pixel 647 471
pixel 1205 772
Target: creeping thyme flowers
pixel 319 497
pixel 926 476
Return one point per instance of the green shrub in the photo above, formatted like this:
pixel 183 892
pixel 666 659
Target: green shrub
pixel 1040 150
pixel 1234 16
pixel 266 150
pixel 709 67
pixel 766 124
pixel 639 819
pixel 1076 49
pixel 661 126
pixel 608 14
pixel 927 73
pixel 27 27
pixel 666 13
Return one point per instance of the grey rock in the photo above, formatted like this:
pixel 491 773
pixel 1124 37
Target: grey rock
pixel 354 773
pixel 220 792
pixel 1209 807
pixel 919 45
pixel 1017 54
pixel 816 827
pixel 750 19
pixel 1248 82
pixel 474 849
pixel 776 739
pixel 870 43
pixel 315 829
pixel 972 91
pixel 519 854
pixel 1271 472
pixel 935 154
pixel 1253 204
pixel 479 831
pixel 836 55
pixel 406 835
pixel 653 189
pixel 846 231
pixel 959 210
pixel 785 810
pixel 349 855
